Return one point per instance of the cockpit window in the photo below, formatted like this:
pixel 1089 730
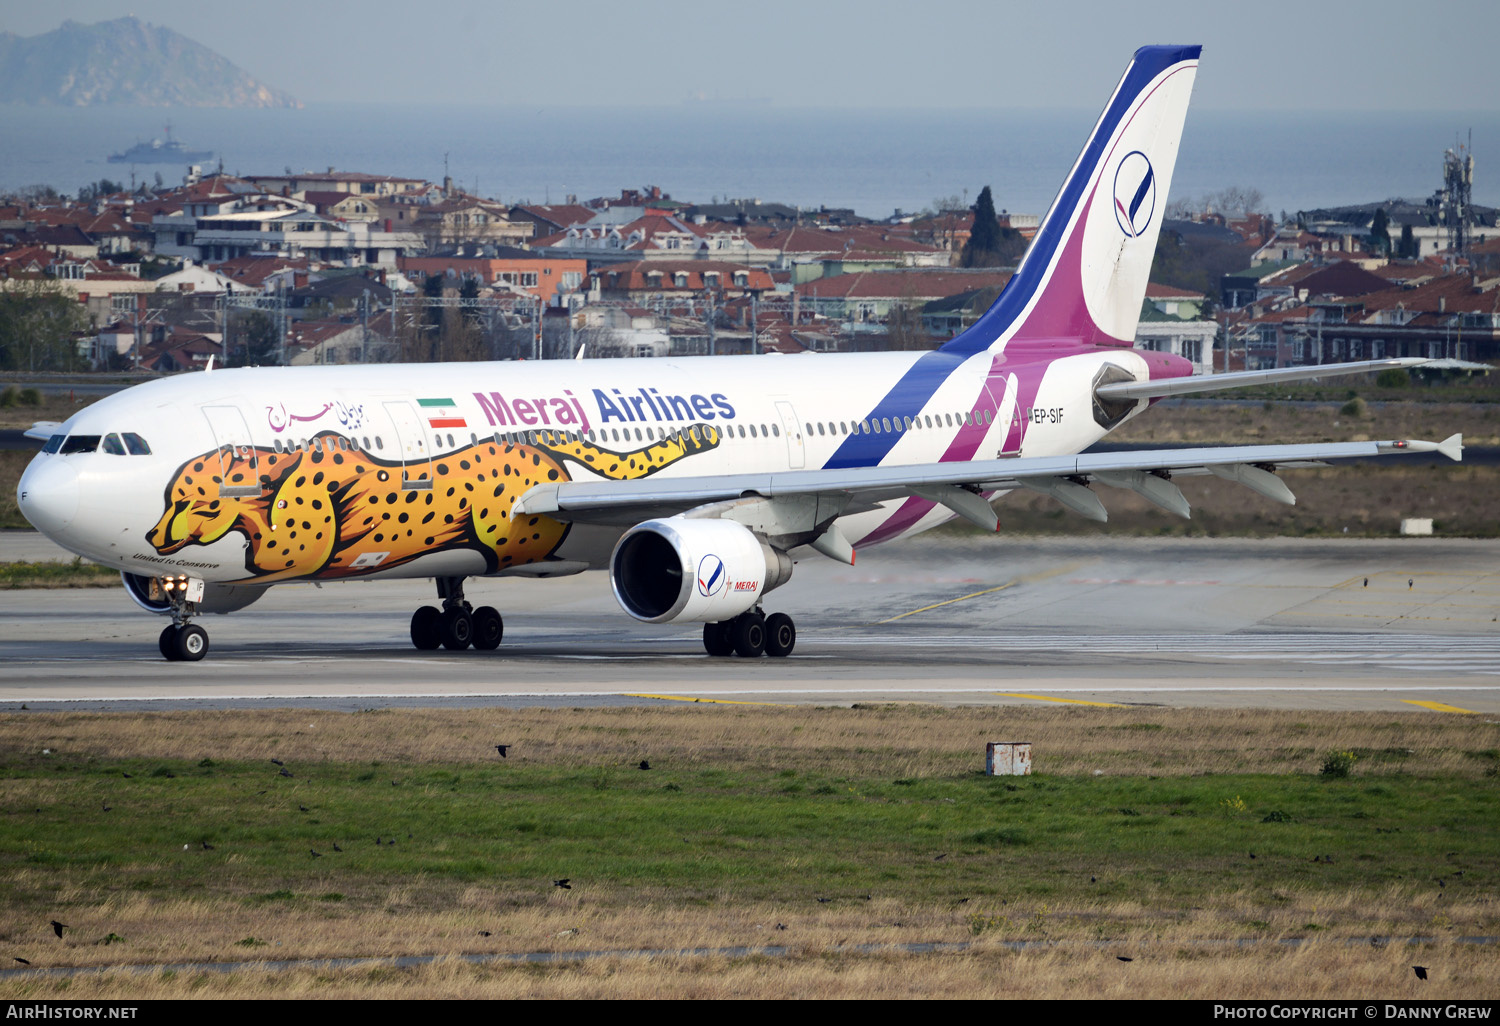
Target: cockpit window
pixel 135 444
pixel 113 445
pixel 80 443
pixel 54 443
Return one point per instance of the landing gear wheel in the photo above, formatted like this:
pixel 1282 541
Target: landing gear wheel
pixel 457 629
pixel 489 628
pixel 716 638
pixel 781 635
pixel 190 643
pixel 167 642
pixel 749 633
pixel 427 628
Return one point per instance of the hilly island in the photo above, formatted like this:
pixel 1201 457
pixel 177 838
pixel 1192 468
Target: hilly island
pixel 124 62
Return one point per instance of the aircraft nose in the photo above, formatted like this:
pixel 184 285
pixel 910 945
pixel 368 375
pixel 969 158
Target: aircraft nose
pixel 48 494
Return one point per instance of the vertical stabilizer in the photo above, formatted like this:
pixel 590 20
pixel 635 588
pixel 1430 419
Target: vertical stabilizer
pixel 1084 278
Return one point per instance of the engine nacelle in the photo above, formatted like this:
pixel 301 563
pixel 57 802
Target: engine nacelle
pixel 147 593
pixel 682 570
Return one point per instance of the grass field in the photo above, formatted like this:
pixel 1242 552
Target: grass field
pixel 1193 841
pixel 72 574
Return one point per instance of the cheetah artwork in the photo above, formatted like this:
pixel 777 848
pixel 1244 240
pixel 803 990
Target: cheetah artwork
pixel 331 511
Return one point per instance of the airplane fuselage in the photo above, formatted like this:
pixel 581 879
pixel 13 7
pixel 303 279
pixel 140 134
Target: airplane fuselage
pixel 268 475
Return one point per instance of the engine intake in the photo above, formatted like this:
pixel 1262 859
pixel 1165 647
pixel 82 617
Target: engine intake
pixel 683 570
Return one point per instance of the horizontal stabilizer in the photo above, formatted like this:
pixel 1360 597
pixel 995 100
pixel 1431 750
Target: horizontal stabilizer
pixel 1243 379
pixel 43 430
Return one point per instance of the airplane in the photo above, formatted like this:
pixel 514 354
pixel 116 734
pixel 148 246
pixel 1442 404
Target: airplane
pixel 697 483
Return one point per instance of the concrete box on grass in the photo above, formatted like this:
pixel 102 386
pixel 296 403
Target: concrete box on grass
pixel 1416 525
pixel 1007 758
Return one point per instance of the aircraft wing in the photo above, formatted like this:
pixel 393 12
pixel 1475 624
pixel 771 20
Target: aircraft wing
pixel 957 485
pixel 1243 379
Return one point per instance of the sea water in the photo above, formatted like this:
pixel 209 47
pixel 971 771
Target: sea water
pixel 875 161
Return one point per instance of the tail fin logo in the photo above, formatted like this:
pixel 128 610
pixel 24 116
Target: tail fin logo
pixel 1135 193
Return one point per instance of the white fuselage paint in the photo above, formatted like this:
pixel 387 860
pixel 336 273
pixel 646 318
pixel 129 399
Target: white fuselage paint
pixel 120 497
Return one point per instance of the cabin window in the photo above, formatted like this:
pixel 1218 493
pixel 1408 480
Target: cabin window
pixel 79 443
pixel 378 443
pixel 820 427
pixel 135 444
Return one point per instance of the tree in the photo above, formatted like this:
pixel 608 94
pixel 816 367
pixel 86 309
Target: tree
pixel 984 236
pixel 98 190
pixel 40 321
pixel 904 330
pixel 262 345
pixel 1380 232
pixel 469 293
pixel 1407 248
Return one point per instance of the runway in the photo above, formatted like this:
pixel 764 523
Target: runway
pixel 1411 625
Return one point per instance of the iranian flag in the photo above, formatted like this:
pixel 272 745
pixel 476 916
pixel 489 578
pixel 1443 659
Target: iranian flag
pixel 442 413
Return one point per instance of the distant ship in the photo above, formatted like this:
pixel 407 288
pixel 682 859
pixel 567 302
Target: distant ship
pixel 161 151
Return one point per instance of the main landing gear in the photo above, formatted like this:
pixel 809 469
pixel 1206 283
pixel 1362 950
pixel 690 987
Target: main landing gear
pixel 751 634
pixel 457 625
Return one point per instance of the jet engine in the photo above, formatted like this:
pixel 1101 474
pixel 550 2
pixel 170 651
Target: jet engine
pixel 148 593
pixel 682 570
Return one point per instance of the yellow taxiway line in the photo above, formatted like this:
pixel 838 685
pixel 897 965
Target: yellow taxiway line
pixel 1439 706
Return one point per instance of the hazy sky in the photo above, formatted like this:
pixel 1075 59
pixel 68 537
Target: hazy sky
pixel 1269 54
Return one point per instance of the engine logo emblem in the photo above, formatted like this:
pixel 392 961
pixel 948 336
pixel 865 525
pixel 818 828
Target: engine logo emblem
pixel 711 576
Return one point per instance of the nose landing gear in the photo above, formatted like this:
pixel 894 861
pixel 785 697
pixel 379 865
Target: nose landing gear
pixel 457 625
pixel 181 641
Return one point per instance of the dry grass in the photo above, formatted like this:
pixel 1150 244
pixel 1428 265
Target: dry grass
pixel 55 406
pixel 885 740
pixel 1242 423
pixel 1367 500
pixel 1072 938
pixel 1267 972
